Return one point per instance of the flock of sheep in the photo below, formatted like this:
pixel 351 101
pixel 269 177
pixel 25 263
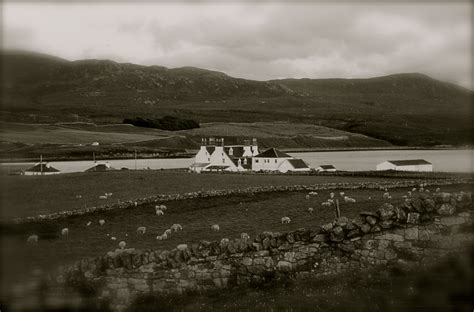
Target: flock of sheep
pixel 160 211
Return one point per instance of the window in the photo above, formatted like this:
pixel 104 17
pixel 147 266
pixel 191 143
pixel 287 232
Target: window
pixel 245 161
pixel 275 161
pixel 256 160
pixel 208 159
pixel 223 160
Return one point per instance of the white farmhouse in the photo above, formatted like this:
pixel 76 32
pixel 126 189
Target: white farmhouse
pixel 406 165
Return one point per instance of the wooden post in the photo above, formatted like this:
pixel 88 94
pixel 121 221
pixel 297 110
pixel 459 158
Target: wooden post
pixel 338 211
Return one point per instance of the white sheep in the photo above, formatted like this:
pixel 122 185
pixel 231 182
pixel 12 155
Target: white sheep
pixel 331 195
pixel 342 194
pixel 326 204
pixel 163 207
pixel 141 230
pixel 108 194
pixel 224 241
pixel 78 196
pixel 102 197
pixel 413 189
pixel 162 237
pixel 182 247
pixel 113 238
pixel 310 209
pixel 285 220
pixel 65 232
pixel 215 227
pixel 32 239
pixel 101 222
pixel 159 212
pixel 168 232
pixel 176 227
pixel 386 195
pixel 122 244
pixel 88 223
pixel 135 204
pixel 313 193
pixel 244 236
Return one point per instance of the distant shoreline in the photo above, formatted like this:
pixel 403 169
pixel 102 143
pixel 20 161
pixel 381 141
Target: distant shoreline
pixel 391 148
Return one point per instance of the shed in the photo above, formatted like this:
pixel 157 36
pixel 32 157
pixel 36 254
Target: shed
pixel 100 168
pixel 326 168
pixel 294 165
pixel 419 165
pixel 41 169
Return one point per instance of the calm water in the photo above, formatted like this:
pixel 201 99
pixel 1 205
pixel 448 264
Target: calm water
pixel 442 160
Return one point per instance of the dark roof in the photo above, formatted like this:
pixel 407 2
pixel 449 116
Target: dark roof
pixel 298 163
pixel 249 163
pixel 199 165
pixel 273 153
pixel 217 167
pixel 237 151
pixel 210 149
pixel 409 162
pixel 100 167
pixel 42 168
pixel 327 167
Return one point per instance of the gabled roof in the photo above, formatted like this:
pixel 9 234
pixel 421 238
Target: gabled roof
pixel 100 167
pixel 273 153
pixel 327 167
pixel 42 167
pixel 298 163
pixel 409 162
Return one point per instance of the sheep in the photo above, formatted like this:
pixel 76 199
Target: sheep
pixel 386 195
pixel 331 201
pixel 182 247
pixel 122 244
pixel 168 232
pixel 65 232
pixel 159 212
pixel 224 241
pixel 108 194
pixel 326 204
pixel 215 227
pixel 78 196
pixel 310 209
pixel 342 194
pixel 413 189
pixel 313 193
pixel 162 237
pixel 141 230
pixel 244 236
pixel 175 227
pixel 101 222
pixel 331 195
pixel 32 239
pixel 285 220
pixel 348 199
pixel 163 207
pixel 88 223
pixel 102 197
pixel 113 238
pixel 135 204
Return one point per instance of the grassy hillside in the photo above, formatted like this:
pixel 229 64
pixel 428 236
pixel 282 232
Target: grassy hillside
pixel 403 109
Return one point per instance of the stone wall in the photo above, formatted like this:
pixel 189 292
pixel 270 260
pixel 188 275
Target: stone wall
pixel 162 198
pixel 421 230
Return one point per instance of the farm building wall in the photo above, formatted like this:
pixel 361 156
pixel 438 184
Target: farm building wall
pixel 267 164
pixel 420 231
pixel 418 168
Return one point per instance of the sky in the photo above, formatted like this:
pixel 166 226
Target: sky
pixel 261 41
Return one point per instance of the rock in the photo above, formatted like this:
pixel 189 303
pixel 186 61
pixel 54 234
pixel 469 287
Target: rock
pixel 450 221
pixel 368 213
pixel 337 234
pixel 425 217
pixel 386 212
pixel 443 198
pixel 376 228
pixel 327 227
pixel 446 209
pixel 464 214
pixel 411 233
pixel 371 220
pixel 365 228
pixel 413 218
pixel 182 247
pixel 391 237
pixel 319 238
pixel 417 205
pixel 386 224
pixel 429 204
pixel 353 233
pixel 342 222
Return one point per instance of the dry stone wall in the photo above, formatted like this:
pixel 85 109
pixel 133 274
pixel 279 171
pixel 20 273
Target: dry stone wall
pixel 421 230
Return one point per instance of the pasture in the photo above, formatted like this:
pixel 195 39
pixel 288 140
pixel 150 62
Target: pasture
pixel 24 196
pixel 234 214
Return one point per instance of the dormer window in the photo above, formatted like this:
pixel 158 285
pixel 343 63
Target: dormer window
pixel 245 161
pixel 231 151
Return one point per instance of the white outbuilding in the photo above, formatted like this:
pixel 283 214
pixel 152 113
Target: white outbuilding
pixel 326 168
pixel 294 165
pixel 419 165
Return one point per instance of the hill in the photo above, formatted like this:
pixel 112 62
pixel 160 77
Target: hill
pixel 403 109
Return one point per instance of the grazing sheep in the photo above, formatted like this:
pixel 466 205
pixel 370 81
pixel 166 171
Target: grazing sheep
pixel 413 189
pixel 32 239
pixel 113 238
pixel 348 199
pixel 313 193
pixel 244 236
pixel 88 223
pixel 122 244
pixel 141 230
pixel 175 227
pixel 135 204
pixel 342 194
pixel 65 232
pixel 159 212
pixel 331 195
pixel 162 237
pixel 108 194
pixel 101 222
pixel 310 209
pixel 182 247
pixel 163 207
pixel 285 220
pixel 78 196
pixel 215 227
pixel 102 197
pixel 326 204
pixel 168 232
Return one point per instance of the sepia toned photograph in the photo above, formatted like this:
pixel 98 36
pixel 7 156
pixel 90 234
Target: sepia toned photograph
pixel 236 155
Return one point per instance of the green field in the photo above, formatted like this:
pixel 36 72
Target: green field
pixel 33 195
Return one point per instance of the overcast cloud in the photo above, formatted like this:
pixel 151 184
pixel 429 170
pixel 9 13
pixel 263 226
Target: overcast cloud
pixel 255 41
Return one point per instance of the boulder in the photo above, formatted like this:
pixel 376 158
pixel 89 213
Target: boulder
pixel 327 227
pixel 365 228
pixel 400 214
pixel 442 198
pixel 429 204
pixel 371 220
pixel 386 211
pixel 337 234
pixel 446 209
